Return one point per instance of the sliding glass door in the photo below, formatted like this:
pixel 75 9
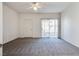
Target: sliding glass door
pixel 49 27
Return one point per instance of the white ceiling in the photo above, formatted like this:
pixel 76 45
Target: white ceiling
pixel 47 7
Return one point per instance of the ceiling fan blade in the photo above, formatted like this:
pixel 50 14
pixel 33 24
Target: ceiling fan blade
pixel 43 5
pixel 39 6
pixel 29 8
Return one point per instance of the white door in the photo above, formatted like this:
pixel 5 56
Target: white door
pixel 28 28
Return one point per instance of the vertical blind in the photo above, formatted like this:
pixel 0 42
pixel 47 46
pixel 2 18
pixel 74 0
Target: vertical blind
pixel 49 27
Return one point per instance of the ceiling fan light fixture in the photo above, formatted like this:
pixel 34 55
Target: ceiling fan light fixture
pixel 35 8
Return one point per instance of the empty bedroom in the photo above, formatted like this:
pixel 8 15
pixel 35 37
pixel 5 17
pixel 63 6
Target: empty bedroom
pixel 40 28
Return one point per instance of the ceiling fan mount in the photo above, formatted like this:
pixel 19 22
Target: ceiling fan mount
pixel 34 2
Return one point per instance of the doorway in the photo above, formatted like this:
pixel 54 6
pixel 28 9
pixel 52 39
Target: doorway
pixel 49 27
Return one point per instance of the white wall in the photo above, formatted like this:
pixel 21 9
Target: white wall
pixel 70 24
pixel 1 24
pixel 10 27
pixel 1 28
pixel 34 27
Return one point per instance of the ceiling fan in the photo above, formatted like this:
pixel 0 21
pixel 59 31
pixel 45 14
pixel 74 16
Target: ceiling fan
pixel 36 5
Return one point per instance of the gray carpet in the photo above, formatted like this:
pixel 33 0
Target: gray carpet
pixel 40 47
